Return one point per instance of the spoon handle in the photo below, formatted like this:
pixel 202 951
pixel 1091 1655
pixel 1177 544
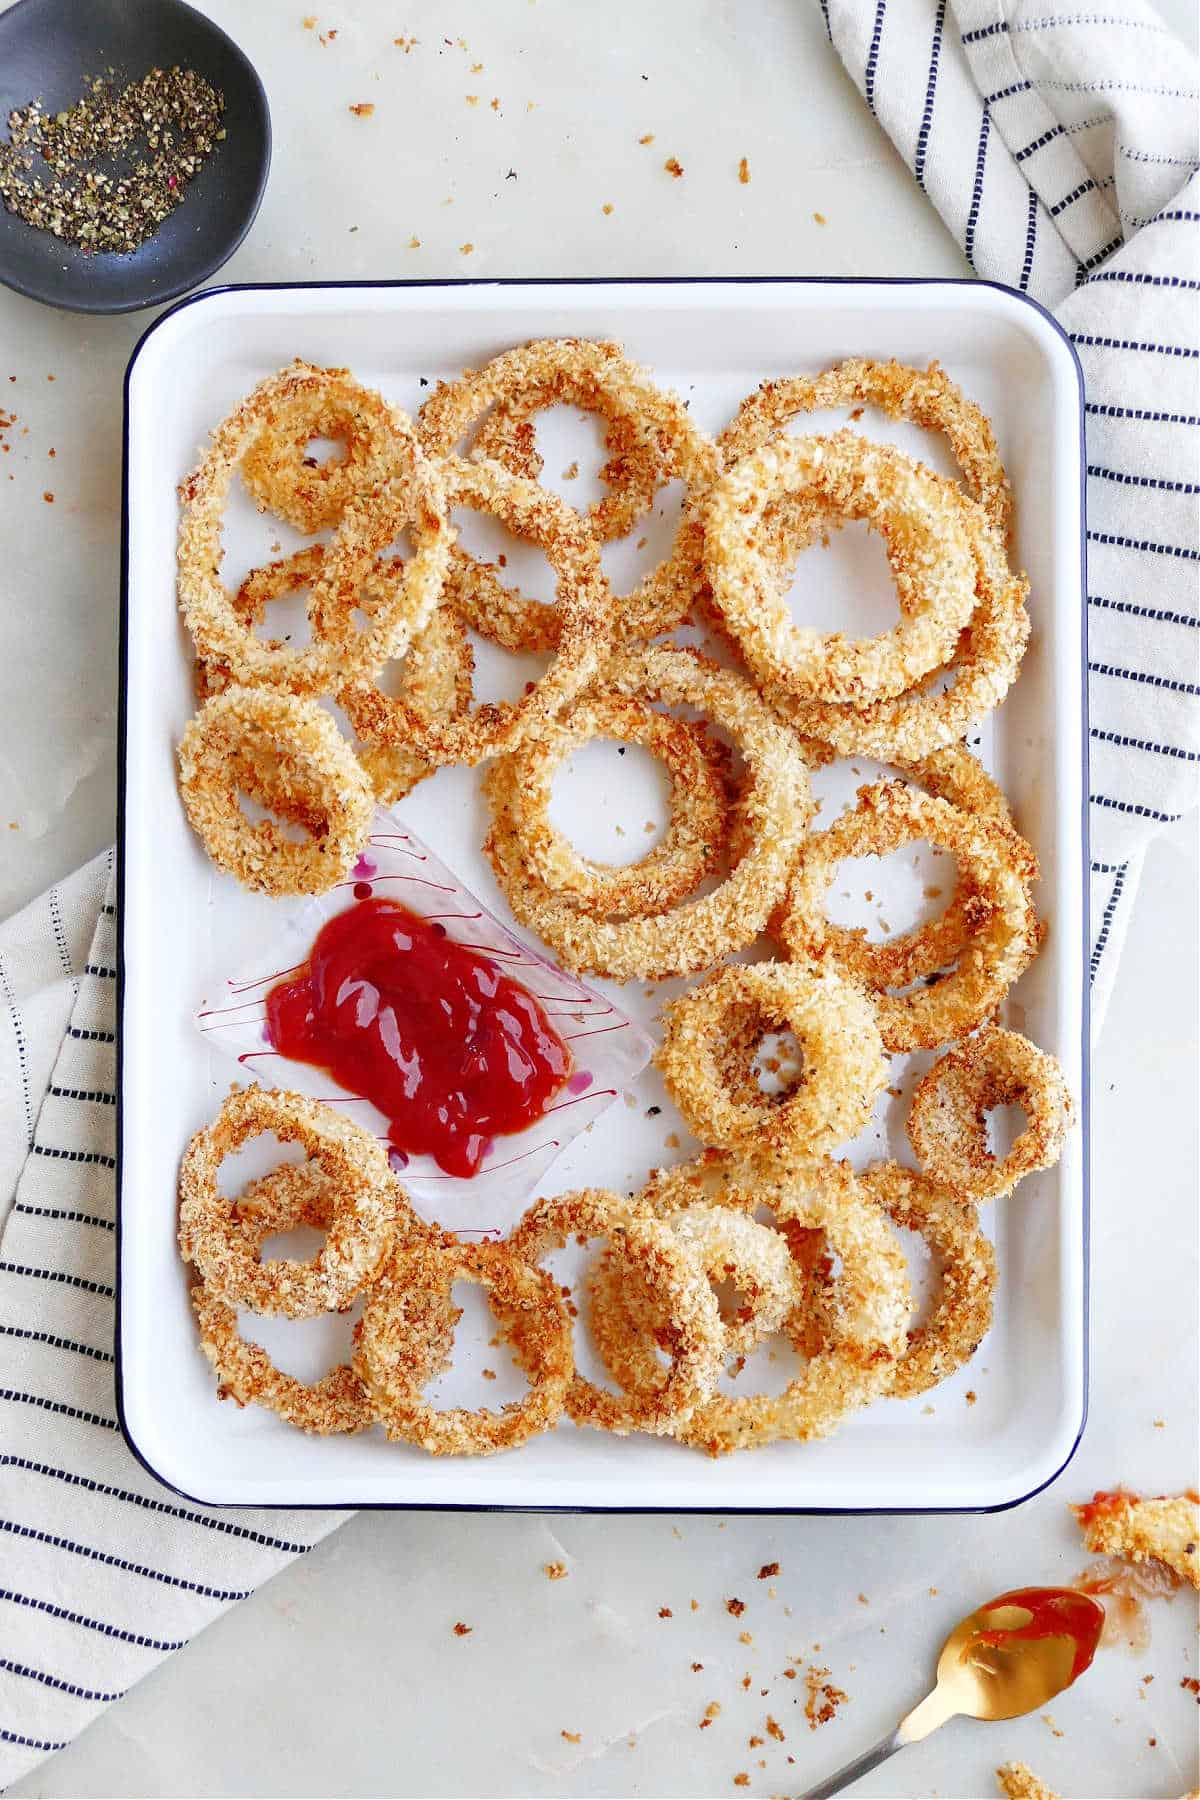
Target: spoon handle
pixel 870 1759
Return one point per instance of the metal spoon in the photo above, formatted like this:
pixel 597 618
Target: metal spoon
pixel 1007 1658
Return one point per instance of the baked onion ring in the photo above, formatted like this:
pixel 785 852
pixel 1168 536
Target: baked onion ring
pixel 287 754
pixel 998 864
pixel 399 1346
pixel 598 378
pixel 296 1194
pixel 329 403
pixel 961 1314
pixel 585 612
pixel 412 497
pixel 865 1318
pixel 367 1203
pixel 774 810
pixel 844 1065
pixel 923 522
pixel 692 1322
pixel 926 396
pixel 947 1123
pixel 699 807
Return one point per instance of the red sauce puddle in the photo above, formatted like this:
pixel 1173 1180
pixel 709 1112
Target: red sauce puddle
pixel 451 1050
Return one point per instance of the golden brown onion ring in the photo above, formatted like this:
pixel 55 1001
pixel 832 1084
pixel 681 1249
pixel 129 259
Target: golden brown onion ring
pixel 308 494
pixel 947 1124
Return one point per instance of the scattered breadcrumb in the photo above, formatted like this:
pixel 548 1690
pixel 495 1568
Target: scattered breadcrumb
pixel 648 139
pixel 744 1637
pixel 477 68
pixel 820 218
pixel 696 1668
pixel 465 249
pixel 556 1571
pixel 607 208
pixel 571 472
pixel 695 1605
pixel 363 109
pixel 736 1607
pixel 746 1682
pixel 471 99
pixel 414 243
pixel 775 1730
pixel 406 44
pixel 461 1630
pixel 823 1698
pixel 1048 1720
pixel 1018 1782
pixel 755 1743
pixel 712 1711
pixel 741 1780
pixel 1159 1424
pixel 971 1396
pixel 664 1612
pixel 572 1737
pixel 767 1571
pixel 489 1374
pixel 863 1601
pixel 674 167
pixel 1192 1685
pixel 308 21
pixel 744 172
pixel 48 497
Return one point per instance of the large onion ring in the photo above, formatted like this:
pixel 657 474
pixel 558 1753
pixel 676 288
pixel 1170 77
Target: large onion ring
pixel 996 861
pixel 775 809
pixel 922 520
pixel 596 376
pixel 295 1194
pixel 367 1203
pixel 961 1314
pixel 844 1065
pixel 926 396
pixel 311 495
pixel 670 1269
pixel 399 1349
pixel 699 807
pixel 412 497
pixel 585 611
pixel 288 755
pixel 947 1123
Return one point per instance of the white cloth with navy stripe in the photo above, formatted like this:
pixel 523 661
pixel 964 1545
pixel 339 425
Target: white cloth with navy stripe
pixel 103 1572
pixel 1059 140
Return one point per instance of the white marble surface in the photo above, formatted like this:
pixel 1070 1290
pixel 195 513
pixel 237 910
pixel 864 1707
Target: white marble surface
pixel 343 1676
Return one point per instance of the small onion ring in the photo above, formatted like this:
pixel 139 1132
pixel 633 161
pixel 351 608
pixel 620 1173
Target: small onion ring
pixel 287 754
pixel 844 1065
pixel 961 1315
pixel 398 1349
pixel 367 1203
pixel 312 496
pixel 922 520
pixel 594 376
pixel 671 1270
pixel 585 610
pixel 699 807
pixel 411 496
pixel 295 1194
pixel 947 1123
pixel 996 861
pixel 865 1317
pixel 775 809
pixel 926 396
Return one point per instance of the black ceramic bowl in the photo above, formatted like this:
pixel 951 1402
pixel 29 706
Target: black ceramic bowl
pixel 49 50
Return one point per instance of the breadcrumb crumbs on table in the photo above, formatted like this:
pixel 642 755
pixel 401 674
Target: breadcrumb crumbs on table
pixel 495 103
pixel 746 1682
pixel 489 1374
pixel 607 208
pixel 789 1674
pixel 755 1743
pixel 775 1730
pixel 863 1601
pixel 712 1711
pixel 465 249
pixel 767 1571
pixel 1048 1720
pixel 674 167
pixel 556 1571
pixel 696 1668
pixel 971 1396
pixel 744 172
pixel 308 21
pixel 477 68
pixel 414 243
pixel 741 1780
pixel 664 1612
pixel 572 1737
pixel 461 1630
pixel 823 1698
pixel 48 497
pixel 1159 1424
pixel 471 99
pixel 745 1637
pixel 363 109
pixel 695 1605
pixel 736 1607
pixel 571 472
pixel 1185 1681
pixel 406 44
pixel 820 219
pixel 648 139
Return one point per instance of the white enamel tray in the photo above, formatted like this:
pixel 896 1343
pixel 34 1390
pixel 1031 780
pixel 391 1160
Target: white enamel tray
pixel 1005 1425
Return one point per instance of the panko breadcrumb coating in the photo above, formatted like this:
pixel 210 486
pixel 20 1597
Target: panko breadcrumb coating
pixel 1020 1783
pixel 1165 1529
pixel 947 1121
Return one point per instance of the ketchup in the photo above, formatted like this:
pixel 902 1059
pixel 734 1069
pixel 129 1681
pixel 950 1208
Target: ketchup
pixel 1054 1613
pixel 451 1050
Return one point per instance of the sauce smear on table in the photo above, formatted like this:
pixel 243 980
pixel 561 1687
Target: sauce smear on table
pixel 450 1049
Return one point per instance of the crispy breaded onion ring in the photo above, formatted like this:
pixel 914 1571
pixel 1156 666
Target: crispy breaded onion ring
pixel 585 610
pixel 435 679
pixel 999 866
pixel 774 811
pixel 932 715
pixel 399 1347
pixel 961 1314
pixel 694 1335
pixel 947 1123
pixel 288 755
pixel 412 497
pixel 864 1318
pixel 327 403
pixel 598 378
pixel 926 396
pixel 923 523
pixel 699 807
pixel 295 1194
pixel 634 471
pixel 366 1199
pixel 844 1066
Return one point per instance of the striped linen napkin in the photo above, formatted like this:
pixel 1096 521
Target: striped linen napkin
pixel 1043 156
pixel 103 1572
pixel 1059 141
